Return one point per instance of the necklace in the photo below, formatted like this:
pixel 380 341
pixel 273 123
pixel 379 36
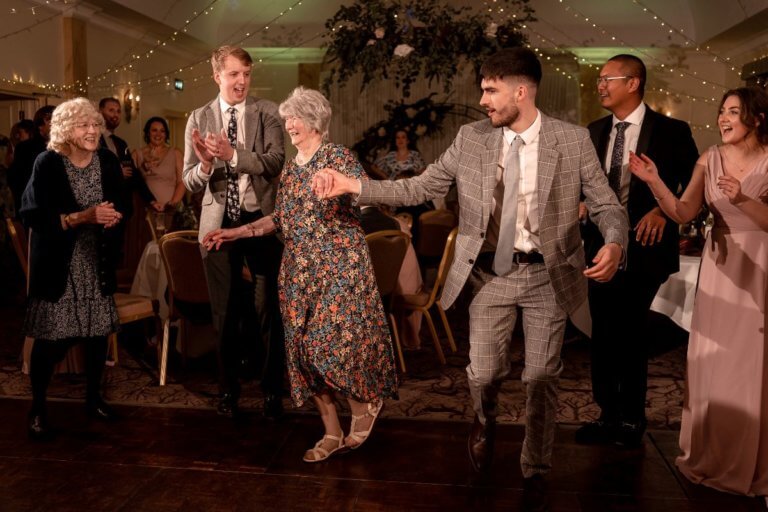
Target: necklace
pixel 747 162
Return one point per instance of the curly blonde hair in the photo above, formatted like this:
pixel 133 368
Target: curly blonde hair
pixel 64 119
pixel 310 106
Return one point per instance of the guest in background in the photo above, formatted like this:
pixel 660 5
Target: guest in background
pixel 723 434
pixel 72 204
pixel 21 131
pixel 134 190
pixel 161 167
pixel 619 307
pixel 234 154
pixel 402 161
pixel 373 219
pixel 336 335
pixel 25 153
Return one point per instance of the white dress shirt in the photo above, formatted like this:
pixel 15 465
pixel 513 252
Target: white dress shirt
pixel 631 136
pixel 527 231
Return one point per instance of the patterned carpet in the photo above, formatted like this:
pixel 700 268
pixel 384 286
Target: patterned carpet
pixel 427 391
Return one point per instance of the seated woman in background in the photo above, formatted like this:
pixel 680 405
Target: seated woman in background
pixel 724 434
pixel 71 203
pixel 336 335
pixel 160 165
pixel 402 161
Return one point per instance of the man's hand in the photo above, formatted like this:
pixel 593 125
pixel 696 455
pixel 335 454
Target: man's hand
pixel 328 183
pixel 202 152
pixel 127 170
pixel 651 227
pixel 218 145
pixel 606 262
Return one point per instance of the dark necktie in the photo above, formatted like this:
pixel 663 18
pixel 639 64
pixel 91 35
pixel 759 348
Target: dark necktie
pixel 502 261
pixel 617 157
pixel 233 188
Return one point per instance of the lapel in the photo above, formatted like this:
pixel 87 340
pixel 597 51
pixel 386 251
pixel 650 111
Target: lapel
pixel 214 124
pixel 643 141
pixel 548 158
pixel 249 122
pixel 489 163
pixel 601 137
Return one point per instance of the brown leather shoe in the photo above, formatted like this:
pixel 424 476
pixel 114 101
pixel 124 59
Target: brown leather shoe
pixel 480 444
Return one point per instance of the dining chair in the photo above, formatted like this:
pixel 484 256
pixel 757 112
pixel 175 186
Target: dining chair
pixel 425 300
pixel 187 289
pixel 434 227
pixel 130 308
pixel 387 249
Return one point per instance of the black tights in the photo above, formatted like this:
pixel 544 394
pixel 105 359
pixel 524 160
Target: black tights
pixel 47 353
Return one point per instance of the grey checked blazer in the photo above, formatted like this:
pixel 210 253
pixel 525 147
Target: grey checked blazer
pixel 262 158
pixel 568 166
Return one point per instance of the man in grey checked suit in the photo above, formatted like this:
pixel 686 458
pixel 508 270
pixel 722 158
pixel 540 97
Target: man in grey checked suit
pixel 234 150
pixel 545 270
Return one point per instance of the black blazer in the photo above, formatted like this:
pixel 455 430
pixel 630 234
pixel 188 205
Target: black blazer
pixel 669 143
pixel 47 197
pixel 136 181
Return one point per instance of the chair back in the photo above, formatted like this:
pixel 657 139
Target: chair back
pixel 445 267
pixel 434 227
pixel 387 249
pixel 183 263
pixel 20 243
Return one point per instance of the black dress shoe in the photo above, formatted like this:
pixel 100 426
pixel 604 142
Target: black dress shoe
pixel 38 428
pixel 597 432
pixel 480 444
pixel 100 410
pixel 630 435
pixel 227 406
pixel 273 407
pixel 535 494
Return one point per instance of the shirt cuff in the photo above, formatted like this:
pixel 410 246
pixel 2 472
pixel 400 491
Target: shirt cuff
pixel 201 175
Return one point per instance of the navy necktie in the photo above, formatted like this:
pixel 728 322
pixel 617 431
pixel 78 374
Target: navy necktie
pixel 233 187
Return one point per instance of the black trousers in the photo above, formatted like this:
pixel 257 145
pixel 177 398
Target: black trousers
pixel 619 347
pixel 235 303
pixel 47 353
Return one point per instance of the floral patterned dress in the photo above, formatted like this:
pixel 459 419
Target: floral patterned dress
pixel 336 334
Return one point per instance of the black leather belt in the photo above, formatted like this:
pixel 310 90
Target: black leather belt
pixel 527 257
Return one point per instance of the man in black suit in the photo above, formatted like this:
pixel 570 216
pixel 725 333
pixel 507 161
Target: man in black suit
pixel 110 109
pixel 26 153
pixel 620 307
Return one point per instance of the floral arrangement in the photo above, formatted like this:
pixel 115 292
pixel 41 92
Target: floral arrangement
pixel 408 38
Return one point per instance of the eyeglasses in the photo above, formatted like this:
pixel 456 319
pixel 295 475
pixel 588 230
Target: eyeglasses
pixel 85 126
pixel 603 80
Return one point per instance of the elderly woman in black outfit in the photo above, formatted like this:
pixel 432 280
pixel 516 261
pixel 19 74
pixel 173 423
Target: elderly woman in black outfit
pixel 70 204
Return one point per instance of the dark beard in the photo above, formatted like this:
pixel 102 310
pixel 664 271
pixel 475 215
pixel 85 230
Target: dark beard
pixel 508 120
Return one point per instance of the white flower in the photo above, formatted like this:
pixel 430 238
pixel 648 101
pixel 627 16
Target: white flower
pixel 490 29
pixel 382 132
pixel 379 33
pixel 370 42
pixel 421 130
pixel 402 50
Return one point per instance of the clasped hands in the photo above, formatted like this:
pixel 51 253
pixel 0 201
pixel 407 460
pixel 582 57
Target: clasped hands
pixel 103 213
pixel 211 146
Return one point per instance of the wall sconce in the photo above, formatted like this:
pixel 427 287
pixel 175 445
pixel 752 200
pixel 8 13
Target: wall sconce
pixel 130 104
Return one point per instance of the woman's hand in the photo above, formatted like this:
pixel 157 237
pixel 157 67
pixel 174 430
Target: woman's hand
pixel 214 239
pixel 731 187
pixel 103 213
pixel 328 183
pixel 643 167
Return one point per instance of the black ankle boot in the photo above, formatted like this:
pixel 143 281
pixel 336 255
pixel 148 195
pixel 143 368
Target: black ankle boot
pixel 100 410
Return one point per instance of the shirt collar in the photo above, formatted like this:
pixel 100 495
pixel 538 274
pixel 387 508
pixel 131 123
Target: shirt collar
pixel 240 107
pixel 529 135
pixel 636 117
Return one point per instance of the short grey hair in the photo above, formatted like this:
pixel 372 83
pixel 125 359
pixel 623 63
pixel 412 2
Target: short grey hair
pixel 310 106
pixel 66 116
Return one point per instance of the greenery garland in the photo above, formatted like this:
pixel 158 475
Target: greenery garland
pixel 408 38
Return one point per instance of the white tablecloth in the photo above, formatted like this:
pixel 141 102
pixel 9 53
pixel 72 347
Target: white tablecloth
pixel 150 279
pixel 675 297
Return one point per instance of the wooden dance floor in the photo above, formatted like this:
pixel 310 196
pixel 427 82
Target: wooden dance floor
pixel 170 459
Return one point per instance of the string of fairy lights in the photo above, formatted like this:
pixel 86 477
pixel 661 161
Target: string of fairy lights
pixel 110 78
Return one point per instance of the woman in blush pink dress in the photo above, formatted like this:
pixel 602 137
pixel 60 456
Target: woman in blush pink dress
pixel 724 430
